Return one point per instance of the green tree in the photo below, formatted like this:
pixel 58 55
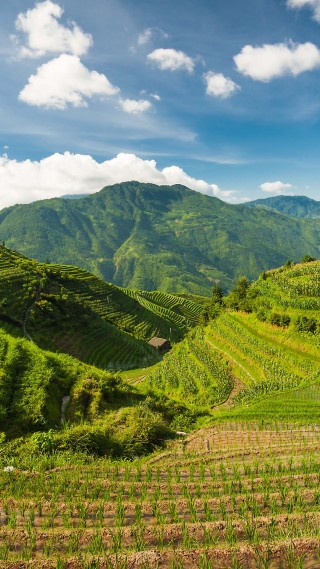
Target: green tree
pixel 238 298
pixel 308 259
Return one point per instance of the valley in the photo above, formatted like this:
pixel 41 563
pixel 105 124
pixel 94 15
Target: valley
pixel 116 455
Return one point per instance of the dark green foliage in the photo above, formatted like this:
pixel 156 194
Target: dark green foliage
pixel 217 294
pixel 307 259
pixel 105 416
pixel 305 324
pixel 33 383
pixel 238 298
pixel 150 237
pixel 279 319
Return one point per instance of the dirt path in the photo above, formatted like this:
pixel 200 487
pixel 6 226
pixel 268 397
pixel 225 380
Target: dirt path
pixel 24 323
pixel 232 359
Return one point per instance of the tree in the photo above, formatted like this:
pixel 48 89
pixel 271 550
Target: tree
pixel 307 259
pixel 217 294
pixel 238 299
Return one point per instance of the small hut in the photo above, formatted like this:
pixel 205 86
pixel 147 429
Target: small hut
pixel 160 344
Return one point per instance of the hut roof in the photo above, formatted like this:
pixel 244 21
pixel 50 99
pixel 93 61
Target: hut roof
pixel 158 342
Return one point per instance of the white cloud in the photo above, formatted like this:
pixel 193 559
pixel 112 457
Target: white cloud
pixel 62 81
pixel 270 61
pixel 313 4
pixel 275 187
pixel 156 96
pixel 60 174
pixel 45 35
pixel 220 86
pixel 171 60
pixel 134 107
pixel 145 36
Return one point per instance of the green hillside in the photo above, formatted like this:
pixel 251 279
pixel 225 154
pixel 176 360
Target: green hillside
pixel 149 237
pixel 296 206
pixel 240 491
pixel 272 346
pixel 67 309
pixel 53 403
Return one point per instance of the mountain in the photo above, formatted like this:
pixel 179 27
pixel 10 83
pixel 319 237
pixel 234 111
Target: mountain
pixel 66 309
pixel 148 237
pixel 296 206
pixel 74 196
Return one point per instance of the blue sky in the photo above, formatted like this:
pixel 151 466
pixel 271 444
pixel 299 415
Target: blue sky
pixel 221 96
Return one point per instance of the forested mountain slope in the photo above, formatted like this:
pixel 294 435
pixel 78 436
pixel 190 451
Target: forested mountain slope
pixel 296 206
pixel 158 237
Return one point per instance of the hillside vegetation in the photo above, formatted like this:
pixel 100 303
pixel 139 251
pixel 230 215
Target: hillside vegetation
pixel 296 206
pixel 242 492
pixel 266 338
pixel 148 237
pixel 51 403
pixel 68 309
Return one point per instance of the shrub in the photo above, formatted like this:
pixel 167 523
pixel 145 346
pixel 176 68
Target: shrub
pixel 85 438
pixel 43 442
pixel 280 319
pixel 305 324
pixel 308 259
pixel 139 431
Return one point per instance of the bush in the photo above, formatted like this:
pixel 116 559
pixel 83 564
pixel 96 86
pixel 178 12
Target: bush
pixel 262 315
pixel 139 431
pixel 305 324
pixel 280 319
pixel 88 439
pixel 308 259
pixel 43 442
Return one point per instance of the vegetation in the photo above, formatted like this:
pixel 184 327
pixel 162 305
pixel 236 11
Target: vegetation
pixel 67 309
pixel 78 486
pixel 296 206
pixel 193 373
pixel 148 237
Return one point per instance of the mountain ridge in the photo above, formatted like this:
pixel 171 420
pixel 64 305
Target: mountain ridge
pixel 151 237
pixel 295 206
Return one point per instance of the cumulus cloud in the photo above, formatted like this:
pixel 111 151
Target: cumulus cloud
pixel 270 61
pixel 60 174
pixel 275 187
pixel 313 4
pixel 171 60
pixel 45 35
pixel 65 81
pixel 135 107
pixel 220 86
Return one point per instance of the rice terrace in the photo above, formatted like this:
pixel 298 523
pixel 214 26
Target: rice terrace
pixel 159 284
pixel 209 457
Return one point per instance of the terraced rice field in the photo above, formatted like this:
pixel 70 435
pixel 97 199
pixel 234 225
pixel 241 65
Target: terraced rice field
pixel 64 308
pixel 262 356
pixel 234 495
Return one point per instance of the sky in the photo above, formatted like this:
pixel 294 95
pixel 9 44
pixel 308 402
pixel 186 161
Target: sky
pixel 223 97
